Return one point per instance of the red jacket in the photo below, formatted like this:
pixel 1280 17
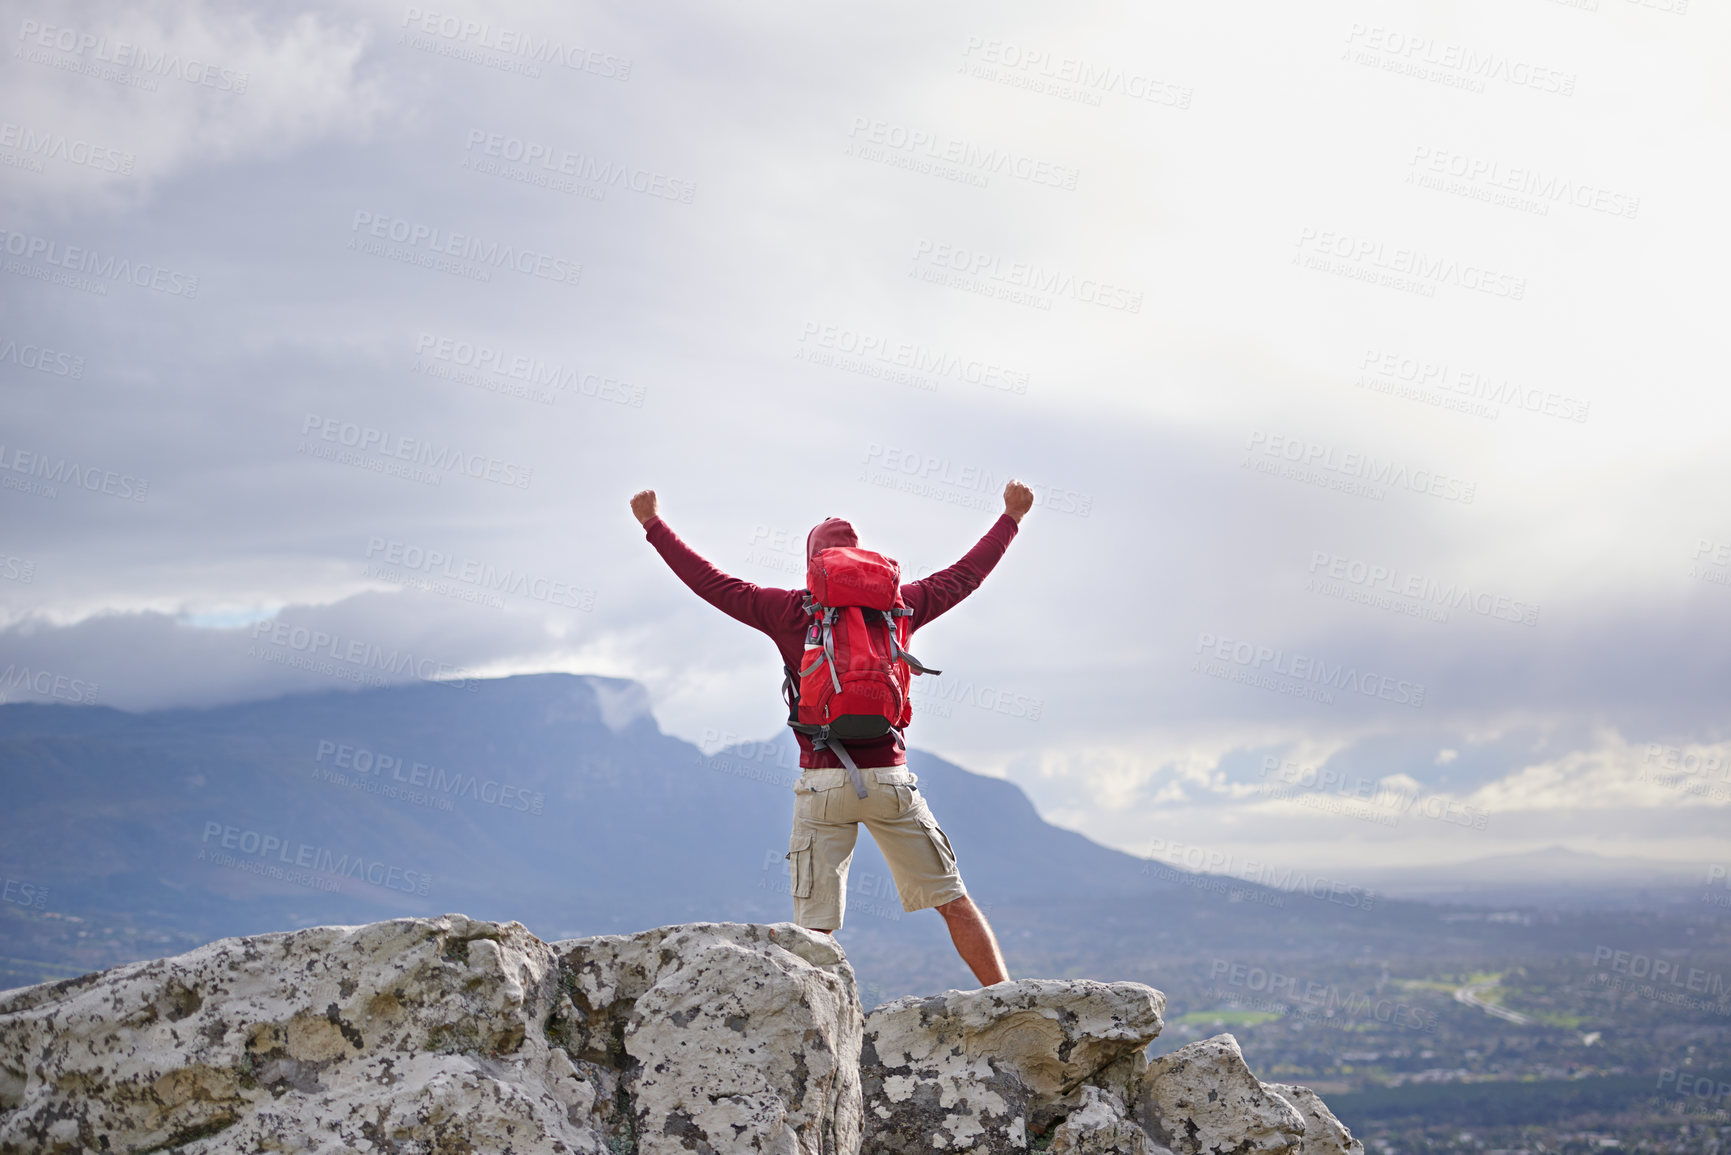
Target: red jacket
pixel 777 613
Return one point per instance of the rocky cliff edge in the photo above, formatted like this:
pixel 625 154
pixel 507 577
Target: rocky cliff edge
pixel 448 1035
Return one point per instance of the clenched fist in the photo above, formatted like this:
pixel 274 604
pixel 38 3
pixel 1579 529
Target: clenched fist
pixel 1018 499
pixel 644 506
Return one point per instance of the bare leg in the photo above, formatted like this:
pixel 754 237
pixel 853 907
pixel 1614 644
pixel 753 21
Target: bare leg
pixel 974 941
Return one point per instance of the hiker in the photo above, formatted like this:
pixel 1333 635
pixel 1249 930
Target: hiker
pixel 848 780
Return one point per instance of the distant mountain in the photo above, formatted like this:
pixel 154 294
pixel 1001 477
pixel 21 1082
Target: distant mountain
pixel 1553 876
pixel 555 800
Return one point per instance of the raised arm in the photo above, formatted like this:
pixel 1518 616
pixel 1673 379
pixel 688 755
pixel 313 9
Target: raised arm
pixel 756 606
pixel 933 595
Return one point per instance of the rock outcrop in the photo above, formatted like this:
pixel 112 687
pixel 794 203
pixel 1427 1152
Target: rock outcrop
pixel 1323 1133
pixel 985 1068
pixel 452 1035
pixel 1203 1100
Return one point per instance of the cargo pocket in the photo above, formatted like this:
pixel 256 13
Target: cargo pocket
pixel 810 804
pixel 940 842
pixel 799 865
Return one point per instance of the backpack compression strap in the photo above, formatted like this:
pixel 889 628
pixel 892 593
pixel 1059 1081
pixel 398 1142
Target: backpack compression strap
pixel 896 650
pixel 826 623
pixel 819 735
pixel 829 647
pixel 822 740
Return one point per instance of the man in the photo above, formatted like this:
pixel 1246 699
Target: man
pixel 827 811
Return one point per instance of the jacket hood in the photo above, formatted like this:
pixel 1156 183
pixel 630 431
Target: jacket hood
pixel 831 531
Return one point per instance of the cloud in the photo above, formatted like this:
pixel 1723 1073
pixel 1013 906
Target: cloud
pixel 113 101
pixel 149 660
pixel 1252 536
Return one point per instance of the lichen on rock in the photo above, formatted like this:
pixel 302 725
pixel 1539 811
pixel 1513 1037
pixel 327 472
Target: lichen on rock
pixel 445 1034
pixel 997 1065
pixel 1202 1100
pixel 451 1034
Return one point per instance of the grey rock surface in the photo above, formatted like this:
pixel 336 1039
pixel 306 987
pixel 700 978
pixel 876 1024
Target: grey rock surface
pixel 1099 1125
pixel 1202 1100
pixel 434 1036
pixel 1323 1133
pixel 444 1034
pixel 982 1069
pixel 736 1037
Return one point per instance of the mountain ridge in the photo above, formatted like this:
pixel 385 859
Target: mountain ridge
pixel 556 800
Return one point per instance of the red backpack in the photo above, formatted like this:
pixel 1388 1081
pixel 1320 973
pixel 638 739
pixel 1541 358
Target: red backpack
pixel 854 677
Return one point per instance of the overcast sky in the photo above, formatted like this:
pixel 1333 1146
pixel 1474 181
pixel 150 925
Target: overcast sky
pixel 1366 359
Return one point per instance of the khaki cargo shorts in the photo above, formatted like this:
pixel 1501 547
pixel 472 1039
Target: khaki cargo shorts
pixel 826 817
